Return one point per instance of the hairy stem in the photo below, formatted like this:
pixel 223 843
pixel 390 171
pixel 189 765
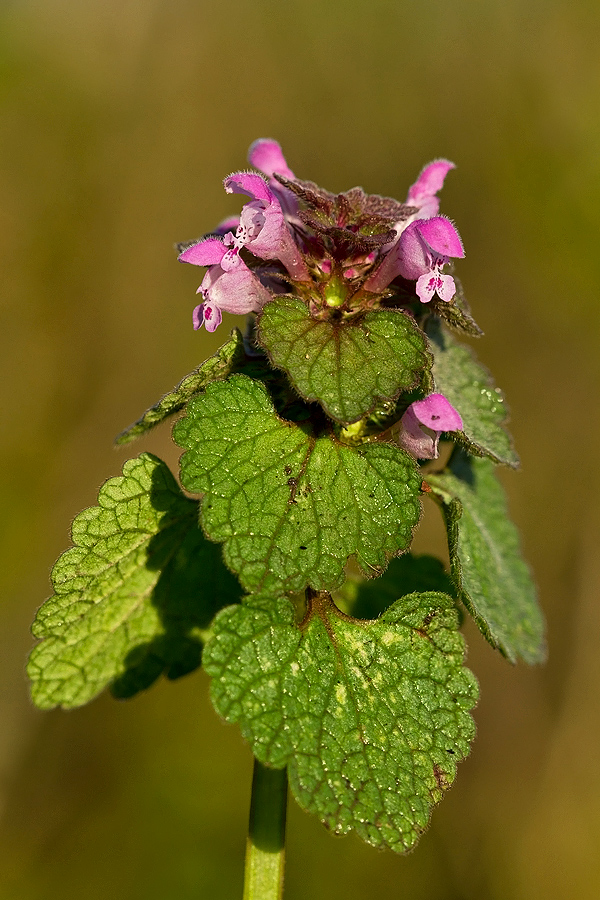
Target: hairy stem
pixel 265 850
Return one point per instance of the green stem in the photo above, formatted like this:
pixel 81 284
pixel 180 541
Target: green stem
pixel 265 850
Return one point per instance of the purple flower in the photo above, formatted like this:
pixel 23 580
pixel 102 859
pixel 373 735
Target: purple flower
pixel 424 421
pixel 422 249
pixel 228 284
pixel 423 192
pixel 263 229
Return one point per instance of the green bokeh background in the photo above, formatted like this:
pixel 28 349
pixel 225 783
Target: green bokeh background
pixel 119 120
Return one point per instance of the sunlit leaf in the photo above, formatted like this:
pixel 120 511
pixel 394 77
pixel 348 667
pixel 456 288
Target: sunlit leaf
pixel 132 596
pixel 289 506
pixel 370 718
pixel 346 366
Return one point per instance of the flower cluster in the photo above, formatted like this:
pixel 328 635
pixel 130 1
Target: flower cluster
pixel 342 254
pixel 351 251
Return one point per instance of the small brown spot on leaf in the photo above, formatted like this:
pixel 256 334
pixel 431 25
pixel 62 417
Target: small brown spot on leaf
pixel 440 777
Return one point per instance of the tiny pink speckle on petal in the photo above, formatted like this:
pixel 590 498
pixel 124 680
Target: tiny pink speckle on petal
pixel 426 286
pixel 212 317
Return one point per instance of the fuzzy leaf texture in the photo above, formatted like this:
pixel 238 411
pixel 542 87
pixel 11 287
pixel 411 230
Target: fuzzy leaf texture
pixel 370 718
pixel 132 596
pixel 485 557
pixel 290 507
pixel 226 360
pixel 346 367
pixel 470 389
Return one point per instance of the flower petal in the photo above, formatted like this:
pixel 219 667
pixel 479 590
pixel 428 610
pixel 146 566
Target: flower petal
pixel 238 291
pixel 427 285
pixel 198 316
pixel 212 317
pixel 411 252
pixel 441 235
pixel 205 253
pixel 265 154
pixel 437 413
pixel 430 181
pixel 414 440
pixel 445 288
pixel 408 257
pixel 249 183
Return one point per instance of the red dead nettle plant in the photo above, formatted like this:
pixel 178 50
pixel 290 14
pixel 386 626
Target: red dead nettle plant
pixel 309 442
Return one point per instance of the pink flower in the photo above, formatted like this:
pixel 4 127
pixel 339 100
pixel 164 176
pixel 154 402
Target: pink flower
pixel 424 421
pixel 430 181
pixel 419 254
pixel 424 247
pixel 421 194
pixel 228 284
pixel 263 229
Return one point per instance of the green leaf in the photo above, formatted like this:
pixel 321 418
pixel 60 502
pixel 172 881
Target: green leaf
pixel 132 595
pixel 348 367
pixel 407 575
pixel 470 389
pixel 371 718
pixel 290 507
pixel 230 357
pixel 494 581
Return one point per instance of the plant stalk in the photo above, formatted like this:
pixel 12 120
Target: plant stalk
pixel 265 849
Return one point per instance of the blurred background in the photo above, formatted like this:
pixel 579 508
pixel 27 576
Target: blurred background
pixel 119 121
